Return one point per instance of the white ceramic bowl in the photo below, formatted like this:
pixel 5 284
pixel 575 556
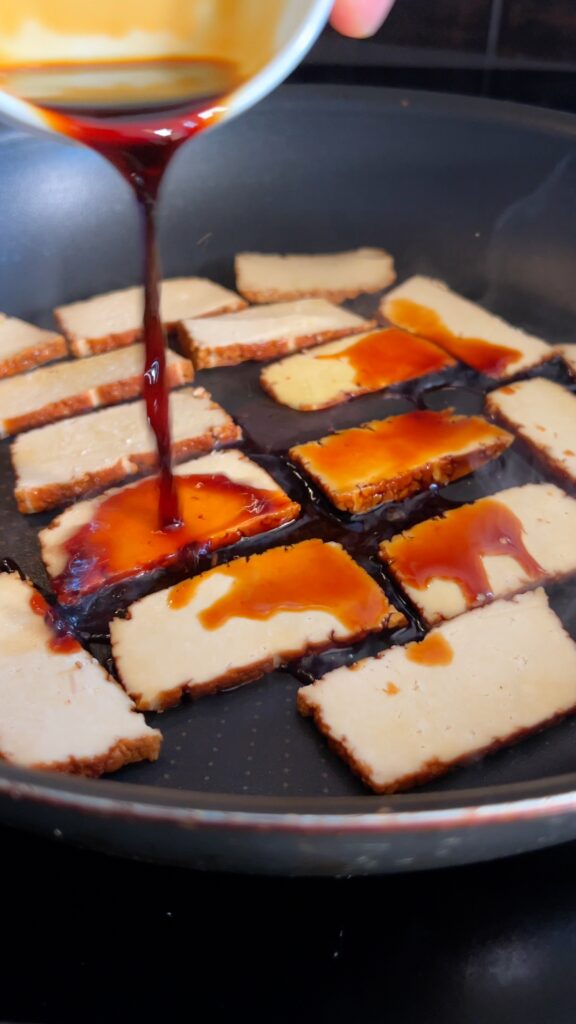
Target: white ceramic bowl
pixel 299 25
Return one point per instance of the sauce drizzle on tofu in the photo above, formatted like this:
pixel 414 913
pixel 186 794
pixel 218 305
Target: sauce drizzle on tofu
pixel 61 641
pixel 453 549
pixel 434 649
pixel 310 576
pixel 390 356
pixel 124 536
pixel 384 449
pixel 484 356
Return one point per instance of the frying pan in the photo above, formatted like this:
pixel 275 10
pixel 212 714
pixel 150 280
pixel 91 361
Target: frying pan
pixel 482 194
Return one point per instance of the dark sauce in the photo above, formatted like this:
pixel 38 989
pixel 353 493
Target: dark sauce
pixel 122 538
pixel 8 565
pixel 390 449
pixel 142 154
pixel 62 639
pixel 454 548
pixel 434 649
pixel 333 584
pixel 390 356
pixel 139 134
pixel 485 356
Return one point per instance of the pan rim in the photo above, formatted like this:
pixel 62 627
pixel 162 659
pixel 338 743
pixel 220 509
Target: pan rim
pixel 366 813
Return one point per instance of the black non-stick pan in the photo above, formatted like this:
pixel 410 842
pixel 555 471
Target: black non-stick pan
pixel 478 193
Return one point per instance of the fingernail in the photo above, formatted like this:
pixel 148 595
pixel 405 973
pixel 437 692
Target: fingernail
pixel 360 18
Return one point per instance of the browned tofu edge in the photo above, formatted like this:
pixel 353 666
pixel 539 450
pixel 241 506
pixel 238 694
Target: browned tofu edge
pixel 35 355
pixel 230 355
pixel 124 751
pixel 262 296
pixel 364 497
pixel 433 768
pixel 265 523
pixel 436 618
pixel 545 459
pixel 177 373
pixel 81 347
pixel 38 499
pixel 337 295
pixel 249 673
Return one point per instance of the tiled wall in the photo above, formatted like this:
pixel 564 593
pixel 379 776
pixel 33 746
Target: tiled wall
pixel 441 24
pixel 465 33
pixel 539 29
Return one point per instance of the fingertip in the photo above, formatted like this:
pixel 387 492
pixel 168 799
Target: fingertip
pixel 359 19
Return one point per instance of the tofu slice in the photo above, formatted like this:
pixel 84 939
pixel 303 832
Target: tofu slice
pixel 543 414
pixel 110 321
pixel 269 277
pixel 55 392
pixel 568 354
pixel 62 461
pixel 474 684
pixel 59 709
pixel 264 332
pixel 387 460
pixel 24 346
pixel 234 623
pixel 351 367
pixel 224 498
pixel 468 332
pixel 491 548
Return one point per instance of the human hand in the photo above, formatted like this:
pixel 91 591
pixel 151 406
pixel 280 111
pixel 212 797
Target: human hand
pixel 359 18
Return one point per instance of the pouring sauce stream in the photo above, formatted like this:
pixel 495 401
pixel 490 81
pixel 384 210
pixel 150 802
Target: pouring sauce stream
pixel 136 114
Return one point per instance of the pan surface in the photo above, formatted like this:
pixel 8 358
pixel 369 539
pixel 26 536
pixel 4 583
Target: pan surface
pixel 479 193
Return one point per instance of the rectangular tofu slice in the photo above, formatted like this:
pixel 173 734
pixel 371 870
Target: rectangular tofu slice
pixel 59 709
pixel 24 346
pixel 474 684
pixel 223 497
pixel 543 414
pixel 387 460
pixel 62 461
pixel 568 354
pixel 264 332
pixel 468 332
pixel 491 548
pixel 234 623
pixel 110 321
pixel 269 277
pixel 55 392
pixel 345 369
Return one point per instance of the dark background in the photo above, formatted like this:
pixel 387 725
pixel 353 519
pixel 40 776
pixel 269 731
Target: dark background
pixel 465 33
pixel 92 939
pixel 514 49
pixel 88 939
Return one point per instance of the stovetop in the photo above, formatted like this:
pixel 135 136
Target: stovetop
pixel 89 939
